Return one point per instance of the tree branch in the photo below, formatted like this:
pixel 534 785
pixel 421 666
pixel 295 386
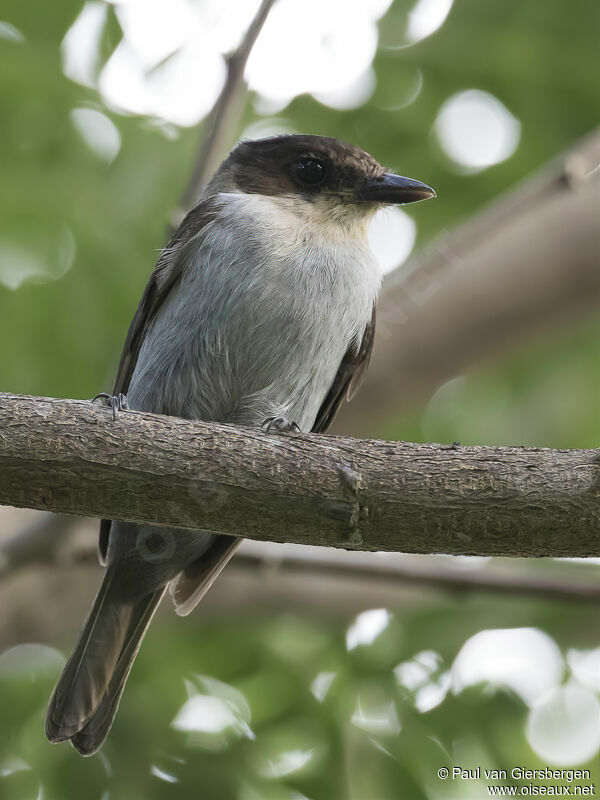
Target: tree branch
pixel 44 542
pixel 37 543
pixel 402 571
pixel 528 262
pixel 70 456
pixel 225 114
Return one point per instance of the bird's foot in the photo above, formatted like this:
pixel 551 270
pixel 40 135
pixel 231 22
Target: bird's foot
pixel 118 402
pixel 279 425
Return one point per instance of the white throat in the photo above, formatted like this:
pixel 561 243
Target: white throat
pixel 321 217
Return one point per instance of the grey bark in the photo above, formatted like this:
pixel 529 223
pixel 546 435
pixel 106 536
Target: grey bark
pixel 70 456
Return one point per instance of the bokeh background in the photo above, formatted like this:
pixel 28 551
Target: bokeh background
pixel 292 683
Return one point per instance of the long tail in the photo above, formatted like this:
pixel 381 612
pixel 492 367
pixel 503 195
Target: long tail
pixel 86 698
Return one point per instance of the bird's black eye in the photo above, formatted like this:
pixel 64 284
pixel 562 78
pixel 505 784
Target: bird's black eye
pixel 310 171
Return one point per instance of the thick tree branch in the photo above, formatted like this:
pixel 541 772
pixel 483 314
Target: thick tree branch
pixel 527 263
pixel 70 456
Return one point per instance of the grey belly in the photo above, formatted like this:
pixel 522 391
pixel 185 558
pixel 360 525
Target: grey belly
pixel 265 339
pixel 273 370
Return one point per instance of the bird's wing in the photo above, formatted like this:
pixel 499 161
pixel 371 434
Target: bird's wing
pixel 348 379
pixel 166 274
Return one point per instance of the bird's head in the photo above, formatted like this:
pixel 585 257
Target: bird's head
pixel 316 177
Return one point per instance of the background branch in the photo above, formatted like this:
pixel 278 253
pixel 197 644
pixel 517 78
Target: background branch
pixel 222 124
pixel 69 456
pixel 392 570
pixel 36 543
pixel 65 541
pixel 529 261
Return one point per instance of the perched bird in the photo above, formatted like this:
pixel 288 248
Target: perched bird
pixel 260 312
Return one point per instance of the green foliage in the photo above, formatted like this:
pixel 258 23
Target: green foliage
pixel 273 729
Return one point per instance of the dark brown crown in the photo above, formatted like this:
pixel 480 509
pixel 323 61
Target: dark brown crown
pixel 270 166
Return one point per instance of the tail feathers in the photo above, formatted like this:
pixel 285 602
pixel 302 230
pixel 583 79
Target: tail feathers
pixel 92 735
pixel 86 698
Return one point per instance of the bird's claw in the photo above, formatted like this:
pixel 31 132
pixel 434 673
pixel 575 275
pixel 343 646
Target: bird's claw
pixel 279 425
pixel 118 402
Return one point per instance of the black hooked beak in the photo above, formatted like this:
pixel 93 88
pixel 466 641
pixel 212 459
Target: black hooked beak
pixel 390 188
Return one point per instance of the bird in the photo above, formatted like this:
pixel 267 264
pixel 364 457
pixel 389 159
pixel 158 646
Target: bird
pixel 260 312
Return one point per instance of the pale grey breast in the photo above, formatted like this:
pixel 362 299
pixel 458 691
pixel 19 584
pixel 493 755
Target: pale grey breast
pixel 267 306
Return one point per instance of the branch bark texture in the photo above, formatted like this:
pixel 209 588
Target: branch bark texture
pixel 70 456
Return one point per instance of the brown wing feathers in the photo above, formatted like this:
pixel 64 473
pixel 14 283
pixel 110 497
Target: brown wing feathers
pixel 348 378
pixel 166 274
